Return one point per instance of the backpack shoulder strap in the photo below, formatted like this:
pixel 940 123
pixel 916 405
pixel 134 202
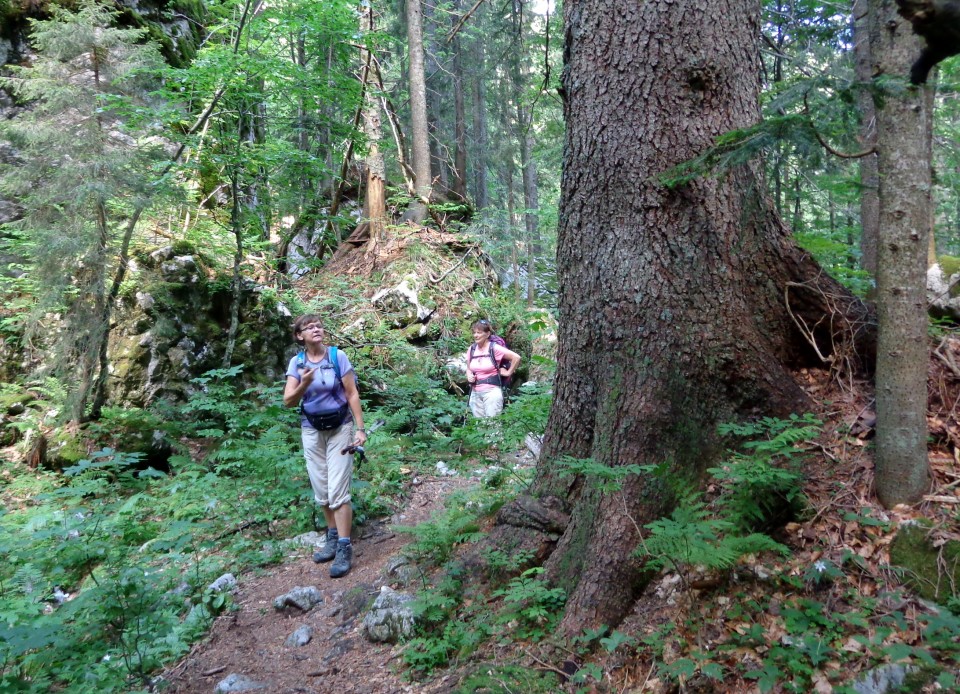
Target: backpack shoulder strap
pixel 493 357
pixel 335 362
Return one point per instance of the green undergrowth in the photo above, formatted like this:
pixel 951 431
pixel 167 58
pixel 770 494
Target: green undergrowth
pixel 455 622
pixel 108 562
pixel 776 622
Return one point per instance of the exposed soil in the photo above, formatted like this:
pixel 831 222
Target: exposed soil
pixel 251 639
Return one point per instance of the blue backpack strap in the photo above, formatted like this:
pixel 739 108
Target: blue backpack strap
pixel 336 363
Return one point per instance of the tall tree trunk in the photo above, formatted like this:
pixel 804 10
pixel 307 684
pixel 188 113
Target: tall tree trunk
pixel 255 194
pixel 869 178
pixel 480 147
pixel 375 206
pixel 101 390
pixel 531 214
pixel 672 301
pixel 904 121
pixel 512 227
pixel 459 187
pixel 98 328
pixel 419 126
pixel 527 164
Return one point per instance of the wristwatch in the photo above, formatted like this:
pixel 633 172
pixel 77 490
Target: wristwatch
pixel 361 429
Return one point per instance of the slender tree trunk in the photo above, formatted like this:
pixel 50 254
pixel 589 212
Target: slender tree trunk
pixel 101 390
pixel 236 226
pixel 512 228
pixel 530 216
pixel 99 329
pixel 903 125
pixel 869 178
pixel 672 301
pixel 797 223
pixel 419 126
pixel 255 194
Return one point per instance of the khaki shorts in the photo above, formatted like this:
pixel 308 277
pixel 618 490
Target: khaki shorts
pixel 330 470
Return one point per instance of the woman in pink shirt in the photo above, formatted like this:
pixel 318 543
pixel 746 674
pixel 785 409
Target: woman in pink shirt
pixel 486 374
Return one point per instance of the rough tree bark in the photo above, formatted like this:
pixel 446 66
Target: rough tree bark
pixel 672 301
pixel 904 123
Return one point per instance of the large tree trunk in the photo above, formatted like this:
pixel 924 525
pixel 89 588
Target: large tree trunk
pixel 904 123
pixel 673 312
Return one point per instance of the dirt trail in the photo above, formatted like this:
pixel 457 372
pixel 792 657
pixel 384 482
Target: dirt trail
pixel 251 640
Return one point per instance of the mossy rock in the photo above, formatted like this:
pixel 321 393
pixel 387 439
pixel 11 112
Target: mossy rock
pixel 9 434
pixel 175 330
pixel 135 430
pixel 65 449
pixel 913 551
pixel 15 403
pixel 950 265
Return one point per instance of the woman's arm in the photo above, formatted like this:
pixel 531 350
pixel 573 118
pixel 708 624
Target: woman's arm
pixel 471 376
pixel 353 399
pixel 514 362
pixel 293 391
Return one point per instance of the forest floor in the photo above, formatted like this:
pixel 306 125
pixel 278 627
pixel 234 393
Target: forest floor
pixel 250 640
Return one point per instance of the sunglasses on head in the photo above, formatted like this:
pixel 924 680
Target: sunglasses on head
pixel 483 321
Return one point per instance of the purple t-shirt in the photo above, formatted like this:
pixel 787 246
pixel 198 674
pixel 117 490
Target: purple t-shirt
pixel 325 392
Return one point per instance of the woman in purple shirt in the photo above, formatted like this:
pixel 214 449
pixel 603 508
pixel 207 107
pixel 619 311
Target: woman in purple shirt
pixel 333 405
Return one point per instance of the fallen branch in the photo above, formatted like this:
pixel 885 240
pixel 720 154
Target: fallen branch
pixel 437 280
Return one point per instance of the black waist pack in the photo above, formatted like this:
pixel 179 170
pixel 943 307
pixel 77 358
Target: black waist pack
pixel 328 419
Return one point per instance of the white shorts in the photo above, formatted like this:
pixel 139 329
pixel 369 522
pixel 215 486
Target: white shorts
pixel 488 403
pixel 330 470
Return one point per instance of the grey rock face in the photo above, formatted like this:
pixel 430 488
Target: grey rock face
pixel 882 679
pixel 391 618
pixel 303 598
pixel 227 582
pixel 238 683
pixel 301 637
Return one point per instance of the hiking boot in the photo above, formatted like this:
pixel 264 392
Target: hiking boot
pixel 328 551
pixel 341 565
